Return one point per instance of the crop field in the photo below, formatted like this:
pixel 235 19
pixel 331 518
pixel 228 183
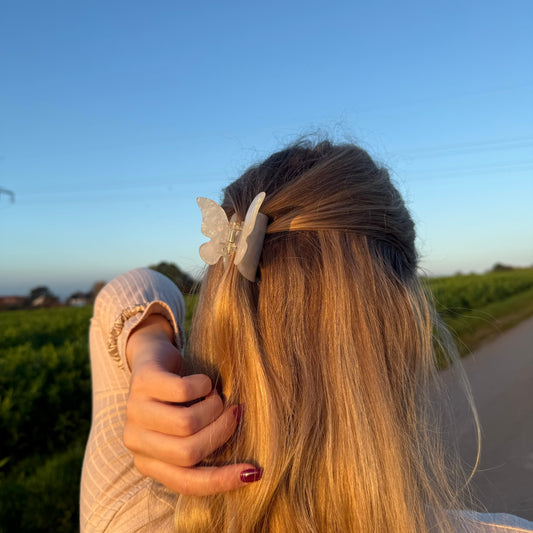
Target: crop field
pixel 45 390
pixel 477 307
pixel 45 406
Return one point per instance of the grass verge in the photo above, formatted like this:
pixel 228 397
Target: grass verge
pixel 474 328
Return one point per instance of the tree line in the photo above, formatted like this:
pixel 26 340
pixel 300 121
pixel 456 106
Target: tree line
pixel 42 296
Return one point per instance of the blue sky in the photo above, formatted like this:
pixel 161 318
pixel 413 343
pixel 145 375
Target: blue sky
pixel 115 116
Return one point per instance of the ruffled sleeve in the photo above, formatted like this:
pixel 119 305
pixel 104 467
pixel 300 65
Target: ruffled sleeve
pixel 131 297
pixel 114 495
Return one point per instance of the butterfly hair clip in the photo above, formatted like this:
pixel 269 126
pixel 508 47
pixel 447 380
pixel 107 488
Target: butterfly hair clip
pixel 227 237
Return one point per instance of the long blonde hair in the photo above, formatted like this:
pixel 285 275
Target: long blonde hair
pixel 332 353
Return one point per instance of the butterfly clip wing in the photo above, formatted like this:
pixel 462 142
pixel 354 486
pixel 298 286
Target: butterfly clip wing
pixel 251 239
pixel 215 226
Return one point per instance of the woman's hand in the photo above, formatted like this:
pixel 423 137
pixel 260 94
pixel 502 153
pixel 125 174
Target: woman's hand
pixel 168 440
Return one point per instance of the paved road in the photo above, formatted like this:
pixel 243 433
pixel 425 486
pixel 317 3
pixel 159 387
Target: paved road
pixel 501 376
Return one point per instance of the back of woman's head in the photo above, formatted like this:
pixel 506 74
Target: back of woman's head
pixel 330 351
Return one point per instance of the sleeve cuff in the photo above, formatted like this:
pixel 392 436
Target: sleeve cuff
pixel 131 317
pixel 130 298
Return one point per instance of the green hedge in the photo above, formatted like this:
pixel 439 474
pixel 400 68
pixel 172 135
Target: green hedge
pixel 45 410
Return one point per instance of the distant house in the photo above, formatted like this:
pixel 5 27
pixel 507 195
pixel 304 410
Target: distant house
pixel 79 299
pixel 45 300
pixel 8 303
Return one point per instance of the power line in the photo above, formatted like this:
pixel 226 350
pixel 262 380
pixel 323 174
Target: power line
pixel 154 187
pixel 9 193
pixel 471 147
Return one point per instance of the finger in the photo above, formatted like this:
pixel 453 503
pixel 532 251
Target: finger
pixel 165 386
pixel 199 481
pixel 172 419
pixel 183 451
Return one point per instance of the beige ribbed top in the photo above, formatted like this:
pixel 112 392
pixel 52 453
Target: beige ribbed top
pixel 115 497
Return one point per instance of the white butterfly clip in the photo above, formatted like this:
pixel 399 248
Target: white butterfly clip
pixel 245 239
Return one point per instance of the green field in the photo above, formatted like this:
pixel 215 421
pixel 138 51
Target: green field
pixel 45 390
pixel 478 307
pixel 45 407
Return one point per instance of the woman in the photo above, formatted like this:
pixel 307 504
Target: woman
pixel 313 327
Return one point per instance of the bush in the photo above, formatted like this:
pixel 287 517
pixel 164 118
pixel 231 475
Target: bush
pixel 46 500
pixel 45 410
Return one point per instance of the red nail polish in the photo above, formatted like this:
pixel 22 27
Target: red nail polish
pixel 238 411
pixel 251 475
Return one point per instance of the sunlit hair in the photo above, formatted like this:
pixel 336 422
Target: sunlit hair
pixel 332 352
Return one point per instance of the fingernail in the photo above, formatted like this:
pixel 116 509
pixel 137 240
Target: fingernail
pixel 251 475
pixel 238 411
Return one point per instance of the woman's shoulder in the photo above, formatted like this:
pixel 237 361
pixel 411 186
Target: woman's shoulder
pixel 471 521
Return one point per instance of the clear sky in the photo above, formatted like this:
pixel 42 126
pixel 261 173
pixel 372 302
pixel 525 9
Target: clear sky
pixel 116 115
